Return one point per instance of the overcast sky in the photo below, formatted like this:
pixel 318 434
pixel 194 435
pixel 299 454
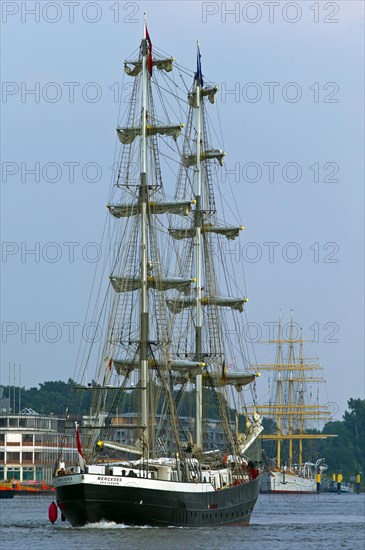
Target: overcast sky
pixel 291 103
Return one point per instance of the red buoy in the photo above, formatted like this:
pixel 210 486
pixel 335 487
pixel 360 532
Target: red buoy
pixel 52 512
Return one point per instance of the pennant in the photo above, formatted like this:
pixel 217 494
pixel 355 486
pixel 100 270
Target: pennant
pixel 198 74
pixel 149 58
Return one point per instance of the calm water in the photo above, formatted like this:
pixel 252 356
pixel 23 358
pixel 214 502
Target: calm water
pixel 278 522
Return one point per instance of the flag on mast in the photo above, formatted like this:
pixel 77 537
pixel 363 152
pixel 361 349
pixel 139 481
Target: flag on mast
pixel 149 58
pixel 198 74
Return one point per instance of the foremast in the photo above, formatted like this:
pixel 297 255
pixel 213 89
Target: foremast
pixel 137 346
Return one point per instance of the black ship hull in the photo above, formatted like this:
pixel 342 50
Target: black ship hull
pixel 83 503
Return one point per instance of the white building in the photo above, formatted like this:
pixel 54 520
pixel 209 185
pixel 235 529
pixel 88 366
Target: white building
pixel 30 443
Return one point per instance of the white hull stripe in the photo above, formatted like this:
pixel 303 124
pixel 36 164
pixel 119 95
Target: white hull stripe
pixel 138 483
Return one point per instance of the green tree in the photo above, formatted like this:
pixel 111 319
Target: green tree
pixel 346 451
pixel 354 421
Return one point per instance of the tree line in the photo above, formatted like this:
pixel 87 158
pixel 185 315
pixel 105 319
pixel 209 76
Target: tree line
pixel 345 452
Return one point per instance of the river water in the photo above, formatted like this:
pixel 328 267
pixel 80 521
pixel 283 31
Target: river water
pixel 326 521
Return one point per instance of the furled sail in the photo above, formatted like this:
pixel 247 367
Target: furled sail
pixel 126 284
pixel 190 160
pixel 216 380
pixel 236 379
pixel 182 208
pixel 177 306
pixel 229 232
pixel 209 92
pixel 123 366
pixel 128 135
pixel 133 68
pixel 120 447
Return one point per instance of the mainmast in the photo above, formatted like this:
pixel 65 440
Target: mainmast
pixel 209 339
pixel 144 313
pixel 198 256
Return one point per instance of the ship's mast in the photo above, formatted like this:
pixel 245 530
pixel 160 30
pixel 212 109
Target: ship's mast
pixel 279 355
pixel 288 373
pixel 144 313
pixel 301 401
pixel 198 260
pixel 291 388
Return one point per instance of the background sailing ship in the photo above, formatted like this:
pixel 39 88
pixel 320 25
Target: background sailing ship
pixel 172 349
pixel 295 413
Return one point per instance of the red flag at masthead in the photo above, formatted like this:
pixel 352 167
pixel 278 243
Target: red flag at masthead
pixel 149 58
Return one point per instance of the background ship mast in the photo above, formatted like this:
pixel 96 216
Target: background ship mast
pixel 290 411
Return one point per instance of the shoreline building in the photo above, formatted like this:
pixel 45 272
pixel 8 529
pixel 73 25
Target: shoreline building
pixel 30 443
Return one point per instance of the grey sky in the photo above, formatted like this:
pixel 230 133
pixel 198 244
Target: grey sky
pixel 291 109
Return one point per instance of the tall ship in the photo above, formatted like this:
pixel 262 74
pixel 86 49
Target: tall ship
pixel 296 415
pixel 172 348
